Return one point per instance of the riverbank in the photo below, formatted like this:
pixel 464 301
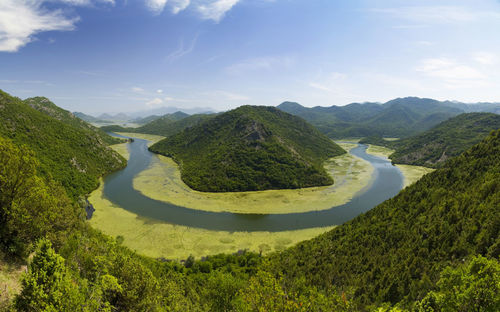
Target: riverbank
pixel 161 239
pixel 411 173
pixel 162 181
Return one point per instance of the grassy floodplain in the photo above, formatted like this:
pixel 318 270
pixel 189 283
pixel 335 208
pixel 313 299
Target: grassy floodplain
pixel 162 181
pixel 160 239
pixel 411 173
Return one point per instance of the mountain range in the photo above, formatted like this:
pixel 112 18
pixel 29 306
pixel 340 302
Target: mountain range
pixel 401 117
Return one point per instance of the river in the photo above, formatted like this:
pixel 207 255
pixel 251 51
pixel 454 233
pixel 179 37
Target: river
pixel 118 188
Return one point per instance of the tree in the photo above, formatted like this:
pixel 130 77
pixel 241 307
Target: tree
pixel 30 207
pixel 470 287
pixel 48 286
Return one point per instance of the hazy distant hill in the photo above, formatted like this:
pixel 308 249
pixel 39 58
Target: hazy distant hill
pixel 250 148
pixel 89 118
pixel 166 125
pixel 145 120
pixel 71 151
pixel 400 117
pixel 448 139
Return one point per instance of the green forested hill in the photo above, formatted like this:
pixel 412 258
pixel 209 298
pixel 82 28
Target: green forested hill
pixel 396 251
pixel 250 148
pixel 166 125
pixel 448 139
pixel 72 152
pixel 434 247
pixel 45 106
pixel 401 117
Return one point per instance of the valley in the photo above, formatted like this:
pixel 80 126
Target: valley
pixel 161 181
pixel 249 156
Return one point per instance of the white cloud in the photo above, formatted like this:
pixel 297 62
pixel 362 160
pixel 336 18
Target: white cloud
pixel 260 64
pixel 20 20
pixel 179 5
pixel 452 73
pixel 154 102
pixel 215 10
pixel 446 68
pixel 438 14
pixel 486 58
pixel 137 89
pixel 207 9
pixel 156 6
pixel 159 91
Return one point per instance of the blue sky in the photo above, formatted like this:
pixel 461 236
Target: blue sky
pixel 128 55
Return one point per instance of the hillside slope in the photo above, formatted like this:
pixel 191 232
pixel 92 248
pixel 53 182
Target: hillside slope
pixel 44 105
pixel 401 117
pixel 395 251
pixel 448 139
pixel 250 148
pixel 73 153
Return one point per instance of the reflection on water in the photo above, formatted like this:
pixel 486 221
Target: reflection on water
pixel 118 188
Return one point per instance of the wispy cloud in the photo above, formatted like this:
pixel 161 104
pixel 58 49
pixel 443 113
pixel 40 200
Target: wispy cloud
pixel 137 89
pixel 21 20
pixel 452 73
pixel 486 58
pixel 156 6
pixel 207 9
pixel 179 5
pixel 182 50
pixel 154 103
pixel 437 14
pixel 260 64
pixel 215 10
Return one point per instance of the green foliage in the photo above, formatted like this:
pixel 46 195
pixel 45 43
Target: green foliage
pixel 69 151
pixel 396 251
pixel 30 207
pixel 45 106
pixel 48 286
pixel 474 286
pixel 250 148
pixel 397 118
pixel 388 259
pixel 265 292
pixel 448 139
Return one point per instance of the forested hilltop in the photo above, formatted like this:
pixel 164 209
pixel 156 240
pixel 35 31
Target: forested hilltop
pixel 250 148
pixel 434 247
pixel 448 139
pixel 401 117
pixel 69 150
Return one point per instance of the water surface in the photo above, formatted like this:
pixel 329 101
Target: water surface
pixel 118 188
